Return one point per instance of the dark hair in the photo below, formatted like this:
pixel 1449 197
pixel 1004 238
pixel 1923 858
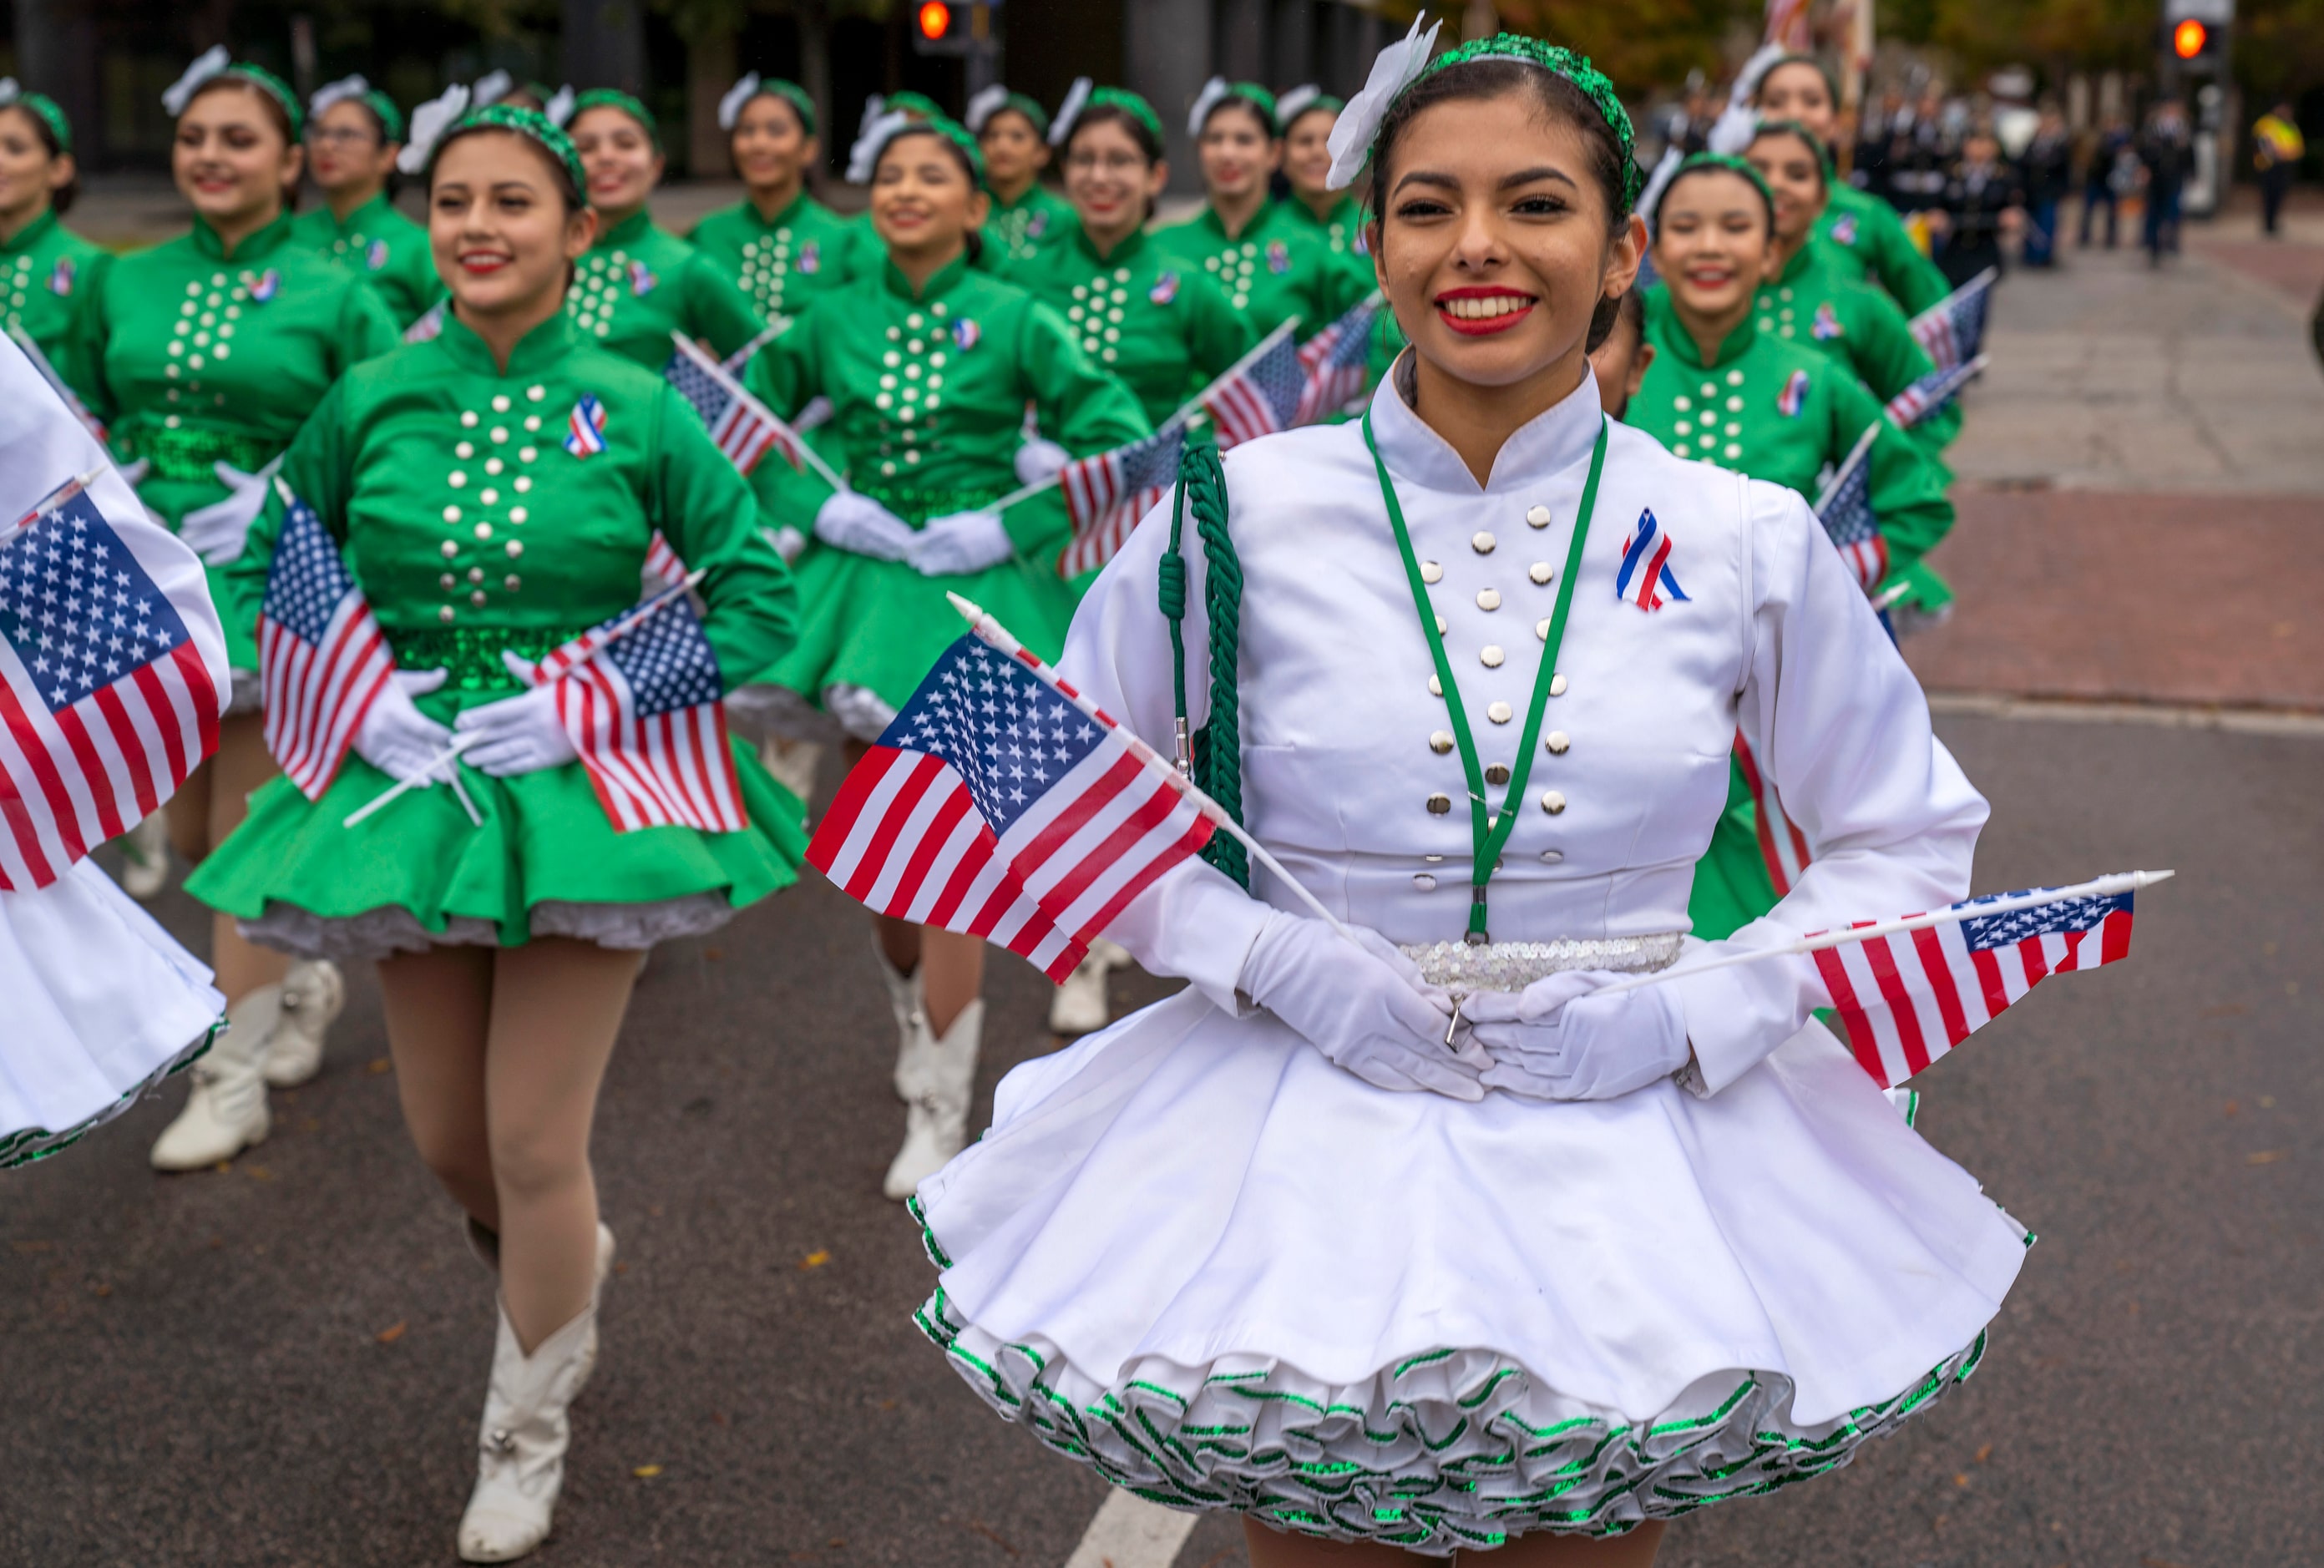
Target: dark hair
pixel 276 114
pixel 1629 311
pixel 1702 164
pixel 1249 106
pixel 60 198
pixel 1805 137
pixel 567 191
pixel 968 170
pixel 1559 100
pixel 1830 88
pixel 1149 144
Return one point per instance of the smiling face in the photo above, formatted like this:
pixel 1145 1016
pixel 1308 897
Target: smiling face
pixel 923 204
pixel 1796 90
pixel 345 150
pixel 1014 152
pixel 1710 244
pixel 772 150
pixel 1307 152
pixel 499 228
pixel 231 159
pixel 1108 180
pixel 1237 153
pixel 1496 245
pixel 28 176
pixel 1794 174
pixel 619 158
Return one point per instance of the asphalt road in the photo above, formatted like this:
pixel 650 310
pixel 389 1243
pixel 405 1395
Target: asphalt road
pixel 283 1363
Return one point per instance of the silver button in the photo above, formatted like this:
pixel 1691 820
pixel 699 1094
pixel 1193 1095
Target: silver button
pixel 1488 598
pixel 1558 742
pixel 1490 655
pixel 1541 571
pixel 1440 804
pixel 1424 882
pixel 1538 516
pixel 1553 801
pixel 1496 774
pixel 1435 686
pixel 1541 628
pixel 1482 541
pixel 1441 741
pixel 1557 685
pixel 1434 860
pixel 1441 627
pixel 1500 713
pixel 1552 856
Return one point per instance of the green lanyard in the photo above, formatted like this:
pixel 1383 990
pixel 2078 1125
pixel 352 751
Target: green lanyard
pixel 1490 833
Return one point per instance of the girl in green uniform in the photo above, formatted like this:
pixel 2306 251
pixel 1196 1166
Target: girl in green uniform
pixel 782 247
pixel 1325 215
pixel 485 529
pixel 204 356
pixel 46 270
pixel 638 282
pixel 1814 295
pixel 1720 389
pixel 1854 224
pixel 1268 268
pixel 1012 130
pixel 929 368
pixel 353 134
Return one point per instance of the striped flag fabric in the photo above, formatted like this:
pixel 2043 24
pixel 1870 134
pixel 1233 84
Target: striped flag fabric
pixel 105 706
pixel 1953 329
pixel 996 807
pixel 24 340
pixel 640 694
pixel 744 428
pixel 1645 577
pixel 1262 395
pixel 1106 494
pixel 322 660
pixel 429 326
pixel 1909 997
pixel 1782 844
pixel 1932 391
pixel 1845 509
pixel 1336 361
pixel 663 568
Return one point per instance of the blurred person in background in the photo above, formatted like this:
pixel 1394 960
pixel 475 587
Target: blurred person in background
pixel 1983 202
pixel 2106 178
pixel 2047 170
pixel 2277 148
pixel 2165 154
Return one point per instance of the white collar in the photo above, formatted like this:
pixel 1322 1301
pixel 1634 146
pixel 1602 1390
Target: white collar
pixel 1550 442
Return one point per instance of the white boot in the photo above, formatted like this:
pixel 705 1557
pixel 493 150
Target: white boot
pixel 484 1245
pixel 936 1077
pixel 907 1000
pixel 522 1441
pixel 145 857
pixel 793 763
pixel 227 1111
pixel 312 995
pixel 1080 1006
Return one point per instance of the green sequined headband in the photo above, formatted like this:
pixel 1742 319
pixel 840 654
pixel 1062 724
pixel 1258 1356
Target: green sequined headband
pixel 1558 60
pixel 274 86
pixel 528 123
pixel 391 119
pixel 1249 92
pixel 614 98
pixel 954 132
pixel 797 98
pixel 1130 104
pixel 1808 139
pixel 45 107
pixel 919 105
pixel 1715 163
pixel 1030 107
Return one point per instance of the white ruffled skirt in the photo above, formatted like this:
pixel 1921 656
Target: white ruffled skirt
pixel 98 1004
pixel 1193 1254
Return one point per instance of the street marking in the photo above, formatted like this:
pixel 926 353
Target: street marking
pixel 1130 1532
pixel 2161 715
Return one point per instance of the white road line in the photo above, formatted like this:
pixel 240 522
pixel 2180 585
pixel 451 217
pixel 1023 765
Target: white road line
pixel 2163 715
pixel 1130 1532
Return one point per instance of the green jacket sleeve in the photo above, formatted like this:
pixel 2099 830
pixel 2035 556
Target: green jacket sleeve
pixel 1890 358
pixel 366 327
pixel 1082 408
pixel 315 469
pixel 785 375
pixel 704 508
pixel 1217 333
pixel 1908 484
pixel 1913 281
pixel 717 309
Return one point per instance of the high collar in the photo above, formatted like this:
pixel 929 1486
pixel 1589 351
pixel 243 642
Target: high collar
pixel 796 208
pixel 31 234
pixel 1124 254
pixel 254 246
pixel 938 285
pixel 1209 221
pixel 1033 196
pixel 629 231
pixel 1802 261
pixel 1549 442
pixel 1672 338
pixel 1343 211
pixel 368 212
pixel 536 353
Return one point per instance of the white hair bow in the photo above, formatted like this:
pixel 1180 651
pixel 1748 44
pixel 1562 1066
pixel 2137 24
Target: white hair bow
pixel 982 106
pixel 730 107
pixel 208 64
pixel 1393 71
pixel 1076 100
pixel 337 92
pixel 429 120
pixel 491 89
pixel 1204 102
pixel 9 91
pixel 873 108
pixel 1738 122
pixel 865 156
pixel 560 108
pixel 1294 104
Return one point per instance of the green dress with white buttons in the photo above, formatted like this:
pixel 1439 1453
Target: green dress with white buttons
pixel 1818 300
pixel 377 242
pixel 785 264
pixel 46 271
pixel 1018 231
pixel 1161 327
pixel 1866 229
pixel 638 283
pixel 474 529
pixel 928 391
pixel 193 358
pixel 1786 413
pixel 1273 271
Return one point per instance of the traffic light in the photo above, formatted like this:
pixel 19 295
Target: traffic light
pixel 2189 40
pixel 934 22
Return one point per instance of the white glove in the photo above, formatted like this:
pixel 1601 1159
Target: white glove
pixel 964 542
pixel 399 740
pixel 1037 459
pixel 853 522
pixel 517 734
pixel 134 472
pixel 1559 1039
pixel 217 533
pixel 1361 1003
pixel 788 541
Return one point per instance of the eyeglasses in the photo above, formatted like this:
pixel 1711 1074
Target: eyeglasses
pixel 341 136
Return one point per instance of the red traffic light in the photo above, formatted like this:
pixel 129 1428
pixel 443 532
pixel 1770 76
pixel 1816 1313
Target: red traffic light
pixel 935 19
pixel 2188 38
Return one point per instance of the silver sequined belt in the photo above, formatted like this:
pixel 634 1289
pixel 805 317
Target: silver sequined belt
pixel 1463 967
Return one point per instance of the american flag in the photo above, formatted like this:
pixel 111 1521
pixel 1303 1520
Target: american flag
pixel 428 326
pixel 321 658
pixel 24 340
pixel 640 694
pixel 1108 493
pixel 662 563
pixel 1262 395
pixel 1910 997
pixel 1932 391
pixel 743 427
pixel 1336 361
pixel 1845 509
pixel 1782 844
pixel 104 705
pixel 995 806
pixel 1953 329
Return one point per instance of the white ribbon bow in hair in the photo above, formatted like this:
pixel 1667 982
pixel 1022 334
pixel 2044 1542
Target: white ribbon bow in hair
pixel 9 91
pixel 208 64
pixel 1204 102
pixel 429 120
pixel 491 89
pixel 337 92
pixel 873 108
pixel 1294 104
pixel 865 156
pixel 1393 71
pixel 1738 122
pixel 1076 100
pixel 730 107
pixel 980 107
pixel 560 108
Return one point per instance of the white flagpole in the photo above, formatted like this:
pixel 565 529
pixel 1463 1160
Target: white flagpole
pixel 2096 888
pixel 718 374
pixel 996 635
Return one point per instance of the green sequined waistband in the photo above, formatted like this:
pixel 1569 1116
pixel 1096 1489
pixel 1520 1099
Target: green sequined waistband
pixel 188 451
pixel 917 503
pixel 470 656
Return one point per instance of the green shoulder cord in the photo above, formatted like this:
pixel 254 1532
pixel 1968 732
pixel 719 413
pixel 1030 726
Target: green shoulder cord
pixel 1490 832
pixel 1212 756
